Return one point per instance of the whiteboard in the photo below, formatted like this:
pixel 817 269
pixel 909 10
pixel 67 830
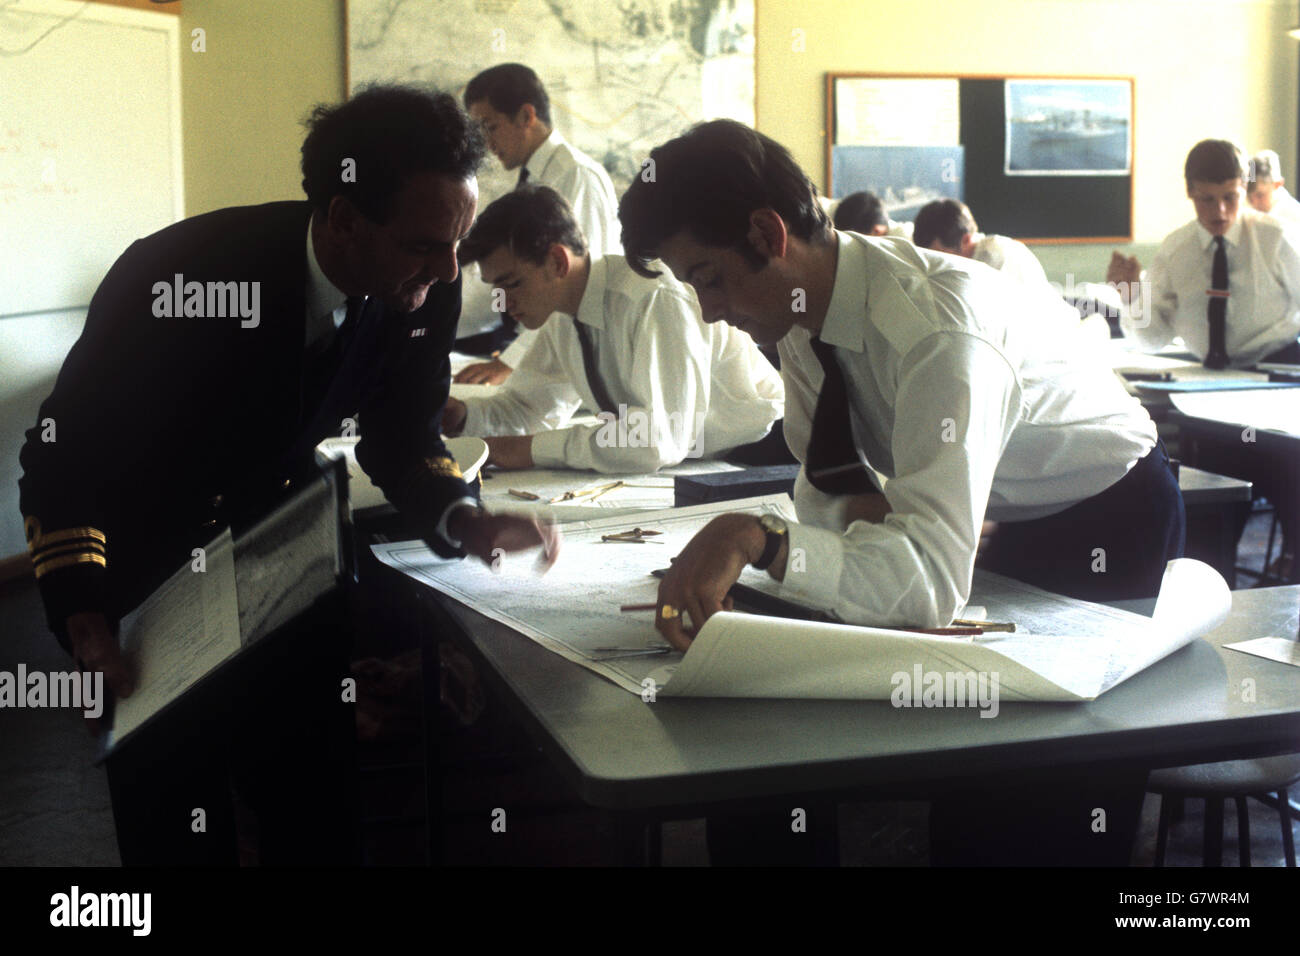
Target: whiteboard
pixel 90 144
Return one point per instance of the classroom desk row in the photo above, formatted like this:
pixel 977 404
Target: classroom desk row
pixel 647 763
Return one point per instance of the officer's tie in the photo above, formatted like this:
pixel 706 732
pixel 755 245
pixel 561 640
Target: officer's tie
pixel 322 367
pixel 1217 356
pixel 834 464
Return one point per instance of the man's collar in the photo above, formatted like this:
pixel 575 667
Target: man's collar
pixel 536 163
pixel 323 297
pixel 1232 236
pixel 591 310
pixel 843 325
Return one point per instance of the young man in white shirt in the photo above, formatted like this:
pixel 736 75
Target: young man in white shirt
pixel 947 225
pixel 668 387
pixel 1248 313
pixel 942 377
pixel 1265 189
pixel 511 103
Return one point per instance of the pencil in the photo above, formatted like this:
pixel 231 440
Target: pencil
pixel 638 607
pixel 526 495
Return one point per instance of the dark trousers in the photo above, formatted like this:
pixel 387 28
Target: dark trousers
pixel 1110 547
pixel 272 726
pixel 771 449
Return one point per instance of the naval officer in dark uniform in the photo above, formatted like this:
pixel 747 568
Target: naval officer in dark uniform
pixel 216 354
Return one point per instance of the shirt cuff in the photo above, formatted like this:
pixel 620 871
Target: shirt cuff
pixel 813 566
pixel 548 448
pixel 446 516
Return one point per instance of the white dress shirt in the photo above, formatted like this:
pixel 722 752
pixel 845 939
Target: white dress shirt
pixel 587 187
pixel 326 305
pixel 1285 207
pixel 968 404
pixel 700 389
pixel 1010 256
pixel 1263 290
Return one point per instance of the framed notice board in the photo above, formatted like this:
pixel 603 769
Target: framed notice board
pixel 1040 158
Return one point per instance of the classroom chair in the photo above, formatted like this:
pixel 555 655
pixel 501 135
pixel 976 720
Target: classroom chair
pixel 1215 782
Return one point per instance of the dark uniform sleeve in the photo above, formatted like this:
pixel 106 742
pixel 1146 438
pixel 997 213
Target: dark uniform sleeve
pixel 401 446
pixel 85 435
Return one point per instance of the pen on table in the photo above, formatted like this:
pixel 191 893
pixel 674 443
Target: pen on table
pixel 984 625
pixel 944 631
pixel 638 607
pixel 526 495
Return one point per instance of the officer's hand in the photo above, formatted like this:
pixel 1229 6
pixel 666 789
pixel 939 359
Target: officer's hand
pixel 95 648
pixel 453 417
pixel 510 451
pixel 695 587
pixel 489 536
pixel 484 373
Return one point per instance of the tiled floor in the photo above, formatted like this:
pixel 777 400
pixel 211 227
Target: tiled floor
pixel 54 805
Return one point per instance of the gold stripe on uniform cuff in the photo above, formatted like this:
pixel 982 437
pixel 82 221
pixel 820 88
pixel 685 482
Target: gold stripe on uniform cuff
pixel 36 539
pixel 443 467
pixel 88 546
pixel 68 560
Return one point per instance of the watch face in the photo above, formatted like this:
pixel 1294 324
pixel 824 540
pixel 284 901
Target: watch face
pixel 773 523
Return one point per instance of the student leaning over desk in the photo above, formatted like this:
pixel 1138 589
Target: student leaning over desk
pixel 609 339
pixel 941 376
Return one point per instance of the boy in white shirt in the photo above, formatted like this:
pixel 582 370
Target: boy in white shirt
pixel 1227 283
pixel 667 385
pixel 512 105
pixel 947 225
pixel 941 376
pixel 1265 189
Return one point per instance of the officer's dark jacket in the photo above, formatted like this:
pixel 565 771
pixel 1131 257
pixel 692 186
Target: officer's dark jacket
pixel 165 429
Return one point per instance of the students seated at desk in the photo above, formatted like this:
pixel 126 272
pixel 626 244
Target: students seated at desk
pixel 632 347
pixel 511 103
pixel 1227 283
pixel 1265 190
pixel 947 225
pixel 939 375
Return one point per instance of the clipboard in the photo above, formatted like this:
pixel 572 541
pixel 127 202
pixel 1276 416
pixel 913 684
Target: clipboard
pixel 246 589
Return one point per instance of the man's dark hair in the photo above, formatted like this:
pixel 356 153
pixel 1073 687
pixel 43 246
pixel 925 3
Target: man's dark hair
pixel 944 219
pixel 527 221
pixel 707 182
pixel 507 87
pixel 1214 161
pixel 860 212
pixel 367 148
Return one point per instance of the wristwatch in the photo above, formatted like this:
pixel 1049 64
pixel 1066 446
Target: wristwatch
pixel 776 530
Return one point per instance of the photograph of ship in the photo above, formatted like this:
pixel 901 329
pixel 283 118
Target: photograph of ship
pixel 1068 127
pixel 904 177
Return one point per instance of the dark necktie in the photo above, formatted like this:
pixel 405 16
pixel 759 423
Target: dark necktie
pixel 1217 356
pixel 323 365
pixel 523 176
pixel 596 383
pixel 834 464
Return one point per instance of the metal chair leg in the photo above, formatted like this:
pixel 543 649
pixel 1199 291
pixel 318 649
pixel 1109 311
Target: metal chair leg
pixel 1212 854
pixel 1162 830
pixel 1243 831
pixel 1288 841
